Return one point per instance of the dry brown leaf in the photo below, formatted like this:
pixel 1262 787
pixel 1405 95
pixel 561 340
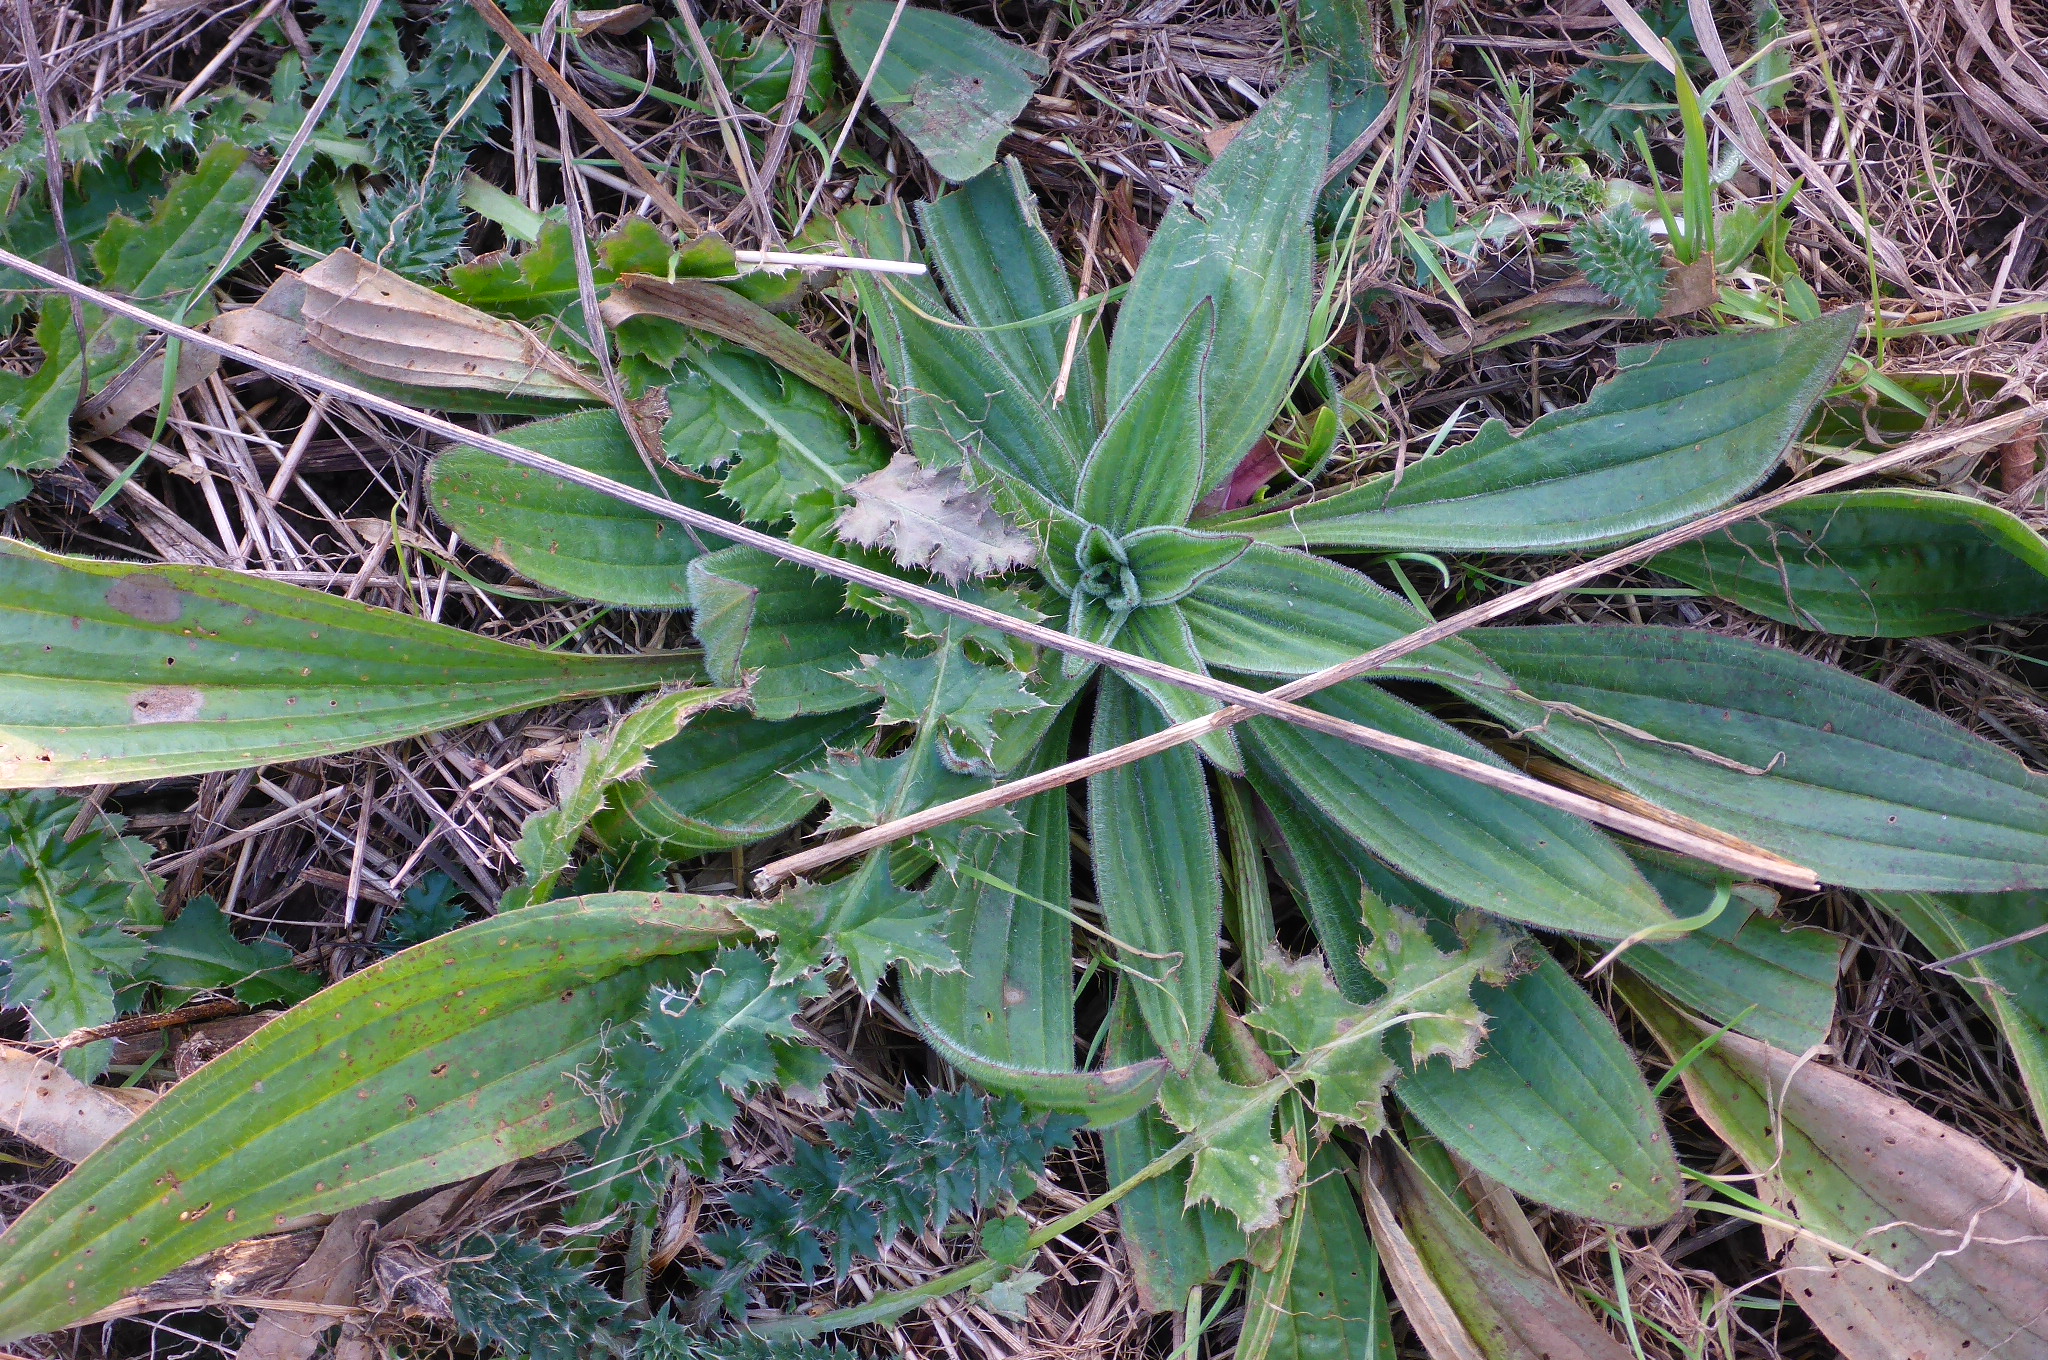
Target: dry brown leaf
pixel 1423 1301
pixel 622 19
pixel 1953 1241
pixel 932 518
pixel 141 388
pixel 331 1275
pixel 392 328
pixel 1504 1310
pixel 43 1104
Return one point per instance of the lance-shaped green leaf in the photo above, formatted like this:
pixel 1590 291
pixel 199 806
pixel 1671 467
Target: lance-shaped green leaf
pixel 1482 848
pixel 781 442
pixel 1146 469
pixel 547 840
pixel 722 782
pixel 1508 1311
pixel 1684 427
pixel 1555 1106
pixel 111 671
pixel 1324 1300
pixel 155 263
pixel 570 538
pixel 1283 613
pixel 1012 1002
pixel 697 1048
pixel 999 269
pixel 1866 788
pixel 1173 1243
pixel 1157 874
pixel 1160 633
pixel 1954 1240
pixel 454 1057
pixel 1742 968
pixel 959 398
pixel 779 630
pixel 2010 982
pixel 863 919
pixel 948 84
pixel 1874 564
pixel 1241 238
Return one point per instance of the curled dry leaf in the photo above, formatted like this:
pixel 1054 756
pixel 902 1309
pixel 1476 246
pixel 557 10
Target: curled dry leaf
pixel 1952 1242
pixel 347 318
pixel 43 1104
pixel 934 519
pixel 392 328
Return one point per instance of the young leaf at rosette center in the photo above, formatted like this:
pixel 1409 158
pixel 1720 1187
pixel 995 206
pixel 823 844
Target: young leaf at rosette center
pixel 463 1054
pixel 66 909
pixel 1146 468
pixel 199 953
pixel 1866 788
pixel 112 671
pixel 1170 563
pixel 1856 1166
pixel 1874 564
pixel 1681 429
pixel 570 538
pixel 1157 873
pixel 1242 238
pixel 948 84
pixel 779 631
pixel 863 919
pixel 723 782
pixel 723 1033
pixel 1237 1165
pixel 778 438
pixel 547 840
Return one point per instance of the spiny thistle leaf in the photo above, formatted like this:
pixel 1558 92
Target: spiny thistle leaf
pixel 430 908
pixel 64 911
pixel 934 519
pixel 1621 259
pixel 887 1172
pixel 863 918
pixel 1562 191
pixel 945 689
pixel 1615 88
pixel 662 1337
pixel 1238 1167
pixel 199 953
pixel 414 229
pixel 530 1301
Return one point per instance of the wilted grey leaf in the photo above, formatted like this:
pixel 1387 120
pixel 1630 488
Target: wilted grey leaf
pixel 932 518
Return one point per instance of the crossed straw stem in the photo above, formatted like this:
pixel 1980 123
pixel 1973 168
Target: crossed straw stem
pixel 1645 822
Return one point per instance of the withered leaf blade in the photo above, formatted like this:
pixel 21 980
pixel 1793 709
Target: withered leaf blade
pixel 389 327
pixel 1961 1236
pixel 933 518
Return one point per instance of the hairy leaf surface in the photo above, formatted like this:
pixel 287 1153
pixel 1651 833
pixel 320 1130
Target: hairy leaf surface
pixel 1685 427
pixel 435 1064
pixel 1874 564
pixel 112 671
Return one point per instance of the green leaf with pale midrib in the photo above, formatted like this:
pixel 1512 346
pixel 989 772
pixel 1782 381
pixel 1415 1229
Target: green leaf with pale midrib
pixel 569 538
pixel 1867 789
pixel 1683 428
pixel 435 1064
pixel 112 671
pixel 1874 564
pixel 1475 845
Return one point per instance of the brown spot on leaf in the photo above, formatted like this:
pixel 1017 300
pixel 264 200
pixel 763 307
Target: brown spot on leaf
pixel 146 598
pixel 167 703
